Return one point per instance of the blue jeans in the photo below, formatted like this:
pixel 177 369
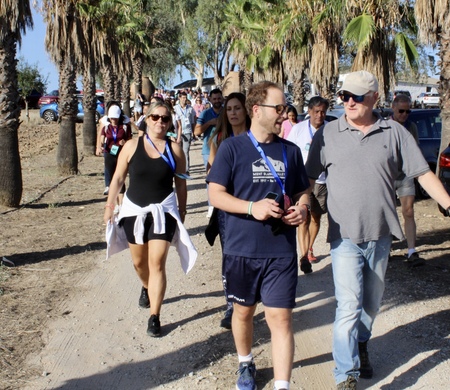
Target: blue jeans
pixel 358 274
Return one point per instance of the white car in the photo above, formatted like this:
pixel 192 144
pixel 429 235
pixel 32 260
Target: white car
pixel 431 100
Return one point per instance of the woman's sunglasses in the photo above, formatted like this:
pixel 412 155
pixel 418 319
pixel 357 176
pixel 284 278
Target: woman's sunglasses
pixel 164 118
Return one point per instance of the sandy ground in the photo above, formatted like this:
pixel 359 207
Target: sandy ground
pixel 92 334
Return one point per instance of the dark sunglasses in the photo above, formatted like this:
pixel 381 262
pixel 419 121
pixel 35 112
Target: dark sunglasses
pixel 279 108
pixel 403 111
pixel 164 118
pixel 356 98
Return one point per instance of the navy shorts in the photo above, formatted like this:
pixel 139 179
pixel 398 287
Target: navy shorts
pixel 271 281
pixel 128 225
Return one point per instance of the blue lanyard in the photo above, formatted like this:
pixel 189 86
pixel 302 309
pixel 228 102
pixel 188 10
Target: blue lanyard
pixel 269 164
pixel 170 161
pixel 183 112
pixel 114 132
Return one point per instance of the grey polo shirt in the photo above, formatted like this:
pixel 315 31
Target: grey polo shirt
pixel 361 171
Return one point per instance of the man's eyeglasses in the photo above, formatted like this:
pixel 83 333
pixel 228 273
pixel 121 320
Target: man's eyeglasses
pixel 356 98
pixel 279 108
pixel 403 111
pixel 156 118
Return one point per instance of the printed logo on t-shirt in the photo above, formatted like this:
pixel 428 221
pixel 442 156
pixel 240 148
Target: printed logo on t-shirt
pixel 261 172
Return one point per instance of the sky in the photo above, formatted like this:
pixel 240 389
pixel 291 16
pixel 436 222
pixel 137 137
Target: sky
pixel 33 51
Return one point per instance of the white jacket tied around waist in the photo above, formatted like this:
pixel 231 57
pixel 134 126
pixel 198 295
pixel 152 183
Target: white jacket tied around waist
pixel 181 239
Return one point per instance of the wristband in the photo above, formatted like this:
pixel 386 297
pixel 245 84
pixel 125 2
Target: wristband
pixel 249 210
pixel 110 206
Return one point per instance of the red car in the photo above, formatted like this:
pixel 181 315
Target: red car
pixel 52 97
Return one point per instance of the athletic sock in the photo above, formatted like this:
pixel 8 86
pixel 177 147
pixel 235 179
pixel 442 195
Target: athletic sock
pixel 247 358
pixel 281 385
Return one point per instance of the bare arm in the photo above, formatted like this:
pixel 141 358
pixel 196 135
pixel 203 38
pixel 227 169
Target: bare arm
pixel 435 189
pixel 212 155
pixel 100 140
pixel 179 131
pixel 180 184
pixel 200 129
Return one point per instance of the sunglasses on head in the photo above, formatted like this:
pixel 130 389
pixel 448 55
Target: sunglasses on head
pixel 164 118
pixel 279 108
pixel 356 98
pixel 403 111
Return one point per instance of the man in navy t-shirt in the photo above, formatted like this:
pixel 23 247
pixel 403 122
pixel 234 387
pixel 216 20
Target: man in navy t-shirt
pixel 259 180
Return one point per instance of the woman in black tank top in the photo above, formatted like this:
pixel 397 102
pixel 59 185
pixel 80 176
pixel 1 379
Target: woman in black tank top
pixel 152 161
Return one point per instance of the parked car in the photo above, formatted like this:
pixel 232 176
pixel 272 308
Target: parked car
pixel 430 100
pixel 51 97
pixel 429 126
pixel 444 170
pixel 49 112
pixel 417 103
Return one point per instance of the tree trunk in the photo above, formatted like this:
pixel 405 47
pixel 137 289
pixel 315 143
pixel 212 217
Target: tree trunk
pixel 89 108
pixel 444 88
pixel 199 74
pixel 108 79
pixel 126 95
pixel 67 156
pixel 138 66
pixel 10 168
pixel 218 79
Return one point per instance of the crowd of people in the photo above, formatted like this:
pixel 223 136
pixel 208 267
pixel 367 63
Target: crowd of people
pixel 269 180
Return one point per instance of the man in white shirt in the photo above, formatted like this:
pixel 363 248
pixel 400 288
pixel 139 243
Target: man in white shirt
pixel 301 135
pixel 186 121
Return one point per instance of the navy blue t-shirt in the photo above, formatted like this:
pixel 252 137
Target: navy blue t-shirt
pixel 239 167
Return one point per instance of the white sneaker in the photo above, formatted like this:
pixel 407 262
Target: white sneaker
pixel 106 192
pixel 210 211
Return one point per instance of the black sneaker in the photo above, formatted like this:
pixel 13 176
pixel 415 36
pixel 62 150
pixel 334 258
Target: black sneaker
pixel 415 260
pixel 247 374
pixel 226 320
pixel 144 301
pixel 154 326
pixel 365 369
pixel 349 384
pixel 305 265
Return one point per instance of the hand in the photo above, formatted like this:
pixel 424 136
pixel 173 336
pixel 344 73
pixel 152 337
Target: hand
pixel 266 208
pixel 295 215
pixel 109 214
pixel 99 151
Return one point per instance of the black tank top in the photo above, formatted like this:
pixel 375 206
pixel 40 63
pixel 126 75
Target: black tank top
pixel 151 179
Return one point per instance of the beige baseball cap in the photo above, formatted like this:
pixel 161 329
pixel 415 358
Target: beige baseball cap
pixel 359 83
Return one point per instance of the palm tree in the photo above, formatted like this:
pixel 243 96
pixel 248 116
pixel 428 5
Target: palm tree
pixel 63 32
pixel 253 24
pixel 15 17
pixel 86 52
pixel 433 19
pixel 375 29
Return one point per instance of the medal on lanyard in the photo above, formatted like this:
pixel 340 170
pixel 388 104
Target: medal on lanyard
pixel 170 161
pixel 286 198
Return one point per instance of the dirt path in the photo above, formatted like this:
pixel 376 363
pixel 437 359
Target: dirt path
pixel 94 335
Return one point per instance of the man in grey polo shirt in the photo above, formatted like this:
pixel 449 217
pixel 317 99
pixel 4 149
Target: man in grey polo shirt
pixel 362 156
